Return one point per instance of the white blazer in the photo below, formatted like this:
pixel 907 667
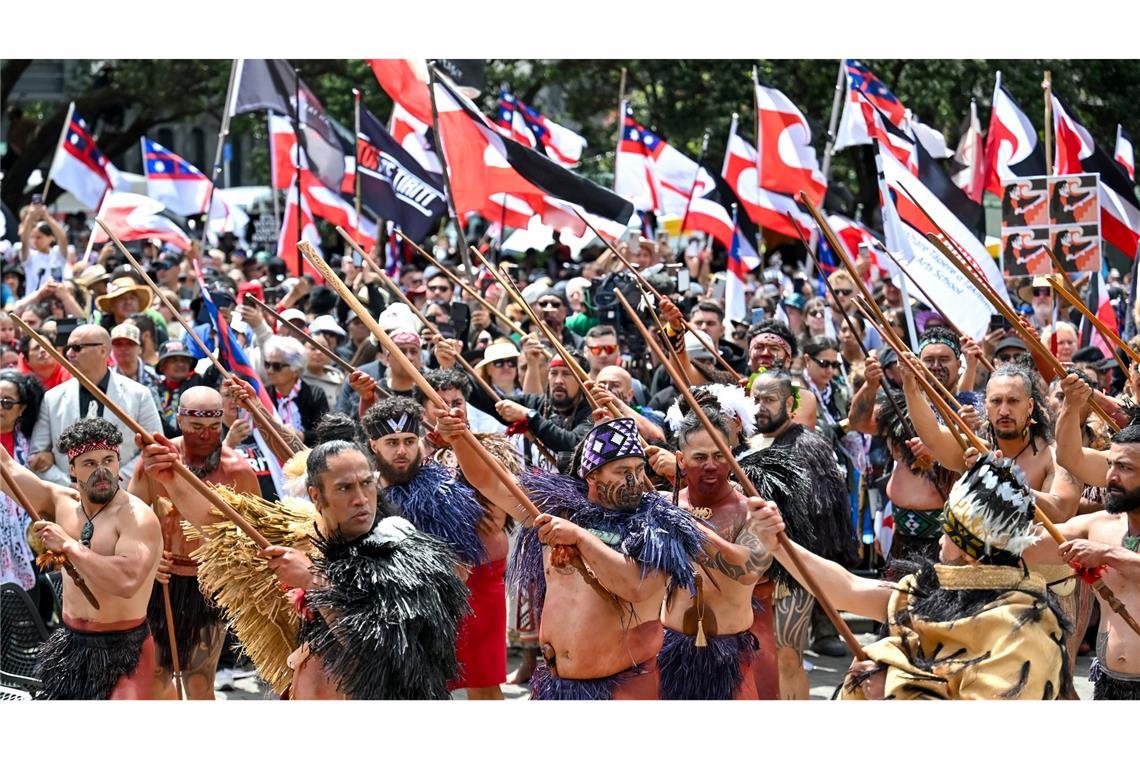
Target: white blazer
pixel 61 408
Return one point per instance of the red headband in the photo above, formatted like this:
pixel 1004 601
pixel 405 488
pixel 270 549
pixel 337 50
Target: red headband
pixel 79 451
pixel 772 339
pixel 556 361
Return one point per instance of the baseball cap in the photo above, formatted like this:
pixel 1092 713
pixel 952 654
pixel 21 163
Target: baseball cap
pixel 126 331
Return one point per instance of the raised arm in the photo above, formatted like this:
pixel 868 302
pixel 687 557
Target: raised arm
pixel 43 494
pixel 938 439
pixel 156 461
pixel 844 590
pixel 1087 465
pixel 861 415
pixel 450 427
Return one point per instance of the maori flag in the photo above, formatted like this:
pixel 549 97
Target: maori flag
pixel 393 185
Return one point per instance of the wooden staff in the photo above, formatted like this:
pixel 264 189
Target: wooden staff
pixel 176 668
pixel 644 284
pixel 463 285
pixel 984 361
pixel 179 468
pixel 311 341
pixel 936 398
pixel 64 561
pixel 580 374
pixel 903 419
pixel 483 384
pixel 1028 336
pixel 1108 335
pixel 749 489
pixel 281 449
pixel 878 317
pixel 397 356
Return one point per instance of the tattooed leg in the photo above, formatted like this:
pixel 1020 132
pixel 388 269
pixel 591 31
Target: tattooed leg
pixel 792 618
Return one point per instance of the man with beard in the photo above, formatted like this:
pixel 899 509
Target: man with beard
pixel 1108 541
pixel 199 630
pixel 710 650
pixel 440 504
pixel 560 418
pixel 977 625
pixel 599 563
pixel 115 543
pixel 771 346
pixel 918 484
pixel 834 533
pixel 379 601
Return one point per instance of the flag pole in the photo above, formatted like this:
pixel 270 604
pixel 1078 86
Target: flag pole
pixel 461 242
pixel 620 121
pixel 223 132
pixel 1047 86
pixel 356 156
pixel 58 147
pixel 833 125
pixel 692 189
pixel 297 161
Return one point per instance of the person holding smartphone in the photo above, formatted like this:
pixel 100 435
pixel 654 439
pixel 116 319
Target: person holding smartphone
pixel 42 261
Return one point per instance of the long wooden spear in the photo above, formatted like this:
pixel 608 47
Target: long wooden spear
pixel 984 361
pixel 903 419
pixel 281 448
pixel 486 387
pixel 645 284
pixel 463 285
pixel 311 341
pixel 1108 335
pixel 179 468
pixel 397 356
pixel 742 478
pixel 50 557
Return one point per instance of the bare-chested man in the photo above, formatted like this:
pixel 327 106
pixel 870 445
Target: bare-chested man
pixel 1110 538
pixel 199 629
pixel 115 543
pixel 710 649
pixel 601 601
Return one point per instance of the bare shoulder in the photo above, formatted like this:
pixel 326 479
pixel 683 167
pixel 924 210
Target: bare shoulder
pixel 138 513
pixel 234 461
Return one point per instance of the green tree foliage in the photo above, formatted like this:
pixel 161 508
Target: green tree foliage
pixel 679 98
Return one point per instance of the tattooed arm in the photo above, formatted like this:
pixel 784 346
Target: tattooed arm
pixel 745 561
pixel 1060 493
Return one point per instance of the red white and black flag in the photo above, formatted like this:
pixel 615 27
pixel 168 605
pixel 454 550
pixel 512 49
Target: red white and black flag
pixel 969 159
pixel 483 164
pixel 1012 148
pixel 271 84
pixel 786 159
pixel 1124 154
pixel 1078 153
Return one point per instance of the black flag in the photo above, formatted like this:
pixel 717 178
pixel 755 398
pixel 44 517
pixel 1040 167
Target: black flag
pixel 393 185
pixel 270 84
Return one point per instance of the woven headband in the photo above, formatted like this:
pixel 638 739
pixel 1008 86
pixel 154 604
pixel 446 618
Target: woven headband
pixel 772 339
pixel 405 423
pixel 96 445
pixel 184 411
pixel 952 345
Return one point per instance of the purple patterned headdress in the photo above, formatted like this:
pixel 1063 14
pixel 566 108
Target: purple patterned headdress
pixel 613 439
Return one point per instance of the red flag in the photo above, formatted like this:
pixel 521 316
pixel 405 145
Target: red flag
pixel 787 160
pixel 136 217
pixel 287 239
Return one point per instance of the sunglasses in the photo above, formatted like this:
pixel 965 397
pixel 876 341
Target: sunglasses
pixel 549 304
pixel 276 366
pixel 1042 291
pixel 8 403
pixel 501 363
pixel 816 312
pixel 605 350
pixel 842 291
pixel 439 288
pixel 836 365
pixel 77 347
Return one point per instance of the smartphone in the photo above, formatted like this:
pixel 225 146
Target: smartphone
pixel 683 280
pixel 460 319
pixel 758 315
pixel 718 289
pixel 37 199
pixel 998 322
pixel 631 238
pixel 63 329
